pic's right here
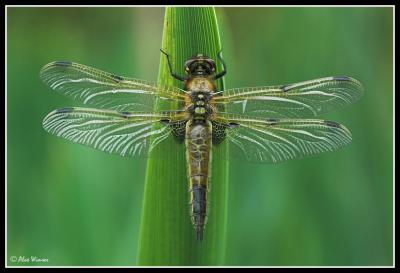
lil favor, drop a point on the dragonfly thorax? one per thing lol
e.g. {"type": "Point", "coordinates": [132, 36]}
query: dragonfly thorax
{"type": "Point", "coordinates": [199, 107]}
{"type": "Point", "coordinates": [200, 84]}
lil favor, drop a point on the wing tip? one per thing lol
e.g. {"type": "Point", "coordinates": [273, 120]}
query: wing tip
{"type": "Point", "coordinates": [55, 112]}
{"type": "Point", "coordinates": [337, 125]}
{"type": "Point", "coordinates": [342, 78]}
{"type": "Point", "coordinates": [349, 79]}
{"type": "Point", "coordinates": [56, 64]}
{"type": "Point", "coordinates": [59, 63]}
{"type": "Point", "coordinates": [62, 63]}
{"type": "Point", "coordinates": [64, 110]}
{"type": "Point", "coordinates": [332, 123]}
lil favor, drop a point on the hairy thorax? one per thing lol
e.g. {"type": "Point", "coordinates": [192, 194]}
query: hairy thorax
{"type": "Point", "coordinates": [203, 84]}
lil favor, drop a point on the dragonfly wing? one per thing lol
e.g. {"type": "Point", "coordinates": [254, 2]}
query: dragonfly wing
{"type": "Point", "coordinates": [277, 140]}
{"type": "Point", "coordinates": [129, 134]}
{"type": "Point", "coordinates": [104, 90]}
{"type": "Point", "coordinates": [304, 99]}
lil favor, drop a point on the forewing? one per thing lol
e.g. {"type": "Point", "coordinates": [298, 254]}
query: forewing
{"type": "Point", "coordinates": [304, 99]}
{"type": "Point", "coordinates": [126, 134]}
{"type": "Point", "coordinates": [104, 90]}
{"type": "Point", "coordinates": [277, 140]}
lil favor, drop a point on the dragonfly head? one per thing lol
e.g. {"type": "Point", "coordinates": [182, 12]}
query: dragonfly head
{"type": "Point", "coordinates": [200, 65]}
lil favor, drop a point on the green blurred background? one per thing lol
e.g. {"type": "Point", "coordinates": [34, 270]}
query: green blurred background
{"type": "Point", "coordinates": [77, 206]}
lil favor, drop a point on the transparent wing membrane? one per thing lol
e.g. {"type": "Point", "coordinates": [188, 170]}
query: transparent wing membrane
{"type": "Point", "coordinates": [261, 124]}
{"type": "Point", "coordinates": [105, 90]}
{"type": "Point", "coordinates": [298, 100]}
{"type": "Point", "coordinates": [128, 134]}
{"type": "Point", "coordinates": [277, 140]}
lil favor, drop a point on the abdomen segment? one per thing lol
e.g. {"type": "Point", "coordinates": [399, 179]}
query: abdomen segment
{"type": "Point", "coordinates": [198, 142]}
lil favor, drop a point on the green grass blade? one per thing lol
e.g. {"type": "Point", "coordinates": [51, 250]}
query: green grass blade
{"type": "Point", "coordinates": [167, 236]}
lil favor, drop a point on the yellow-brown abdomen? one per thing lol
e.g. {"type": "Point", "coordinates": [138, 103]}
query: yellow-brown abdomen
{"type": "Point", "coordinates": [198, 142]}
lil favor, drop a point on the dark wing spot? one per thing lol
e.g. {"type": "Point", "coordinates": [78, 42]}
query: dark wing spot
{"type": "Point", "coordinates": [218, 132]}
{"type": "Point", "coordinates": [65, 110]}
{"type": "Point", "coordinates": [178, 128]}
{"type": "Point", "coordinates": [125, 114]}
{"type": "Point", "coordinates": [342, 78]}
{"type": "Point", "coordinates": [117, 78]}
{"type": "Point", "coordinates": [332, 123]}
{"type": "Point", "coordinates": [165, 122]}
{"type": "Point", "coordinates": [233, 125]}
{"type": "Point", "coordinates": [63, 63]}
{"type": "Point", "coordinates": [272, 120]}
{"type": "Point", "coordinates": [286, 87]}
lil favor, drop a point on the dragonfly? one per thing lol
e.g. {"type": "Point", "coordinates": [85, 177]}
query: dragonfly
{"type": "Point", "coordinates": [267, 124]}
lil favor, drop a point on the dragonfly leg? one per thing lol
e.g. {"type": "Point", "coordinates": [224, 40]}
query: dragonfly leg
{"type": "Point", "coordinates": [173, 74]}
{"type": "Point", "coordinates": [223, 72]}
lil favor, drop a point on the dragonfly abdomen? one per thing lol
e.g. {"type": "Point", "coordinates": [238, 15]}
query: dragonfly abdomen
{"type": "Point", "coordinates": [198, 142]}
{"type": "Point", "coordinates": [198, 204]}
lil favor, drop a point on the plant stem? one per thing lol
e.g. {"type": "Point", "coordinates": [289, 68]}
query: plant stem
{"type": "Point", "coordinates": [167, 236]}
